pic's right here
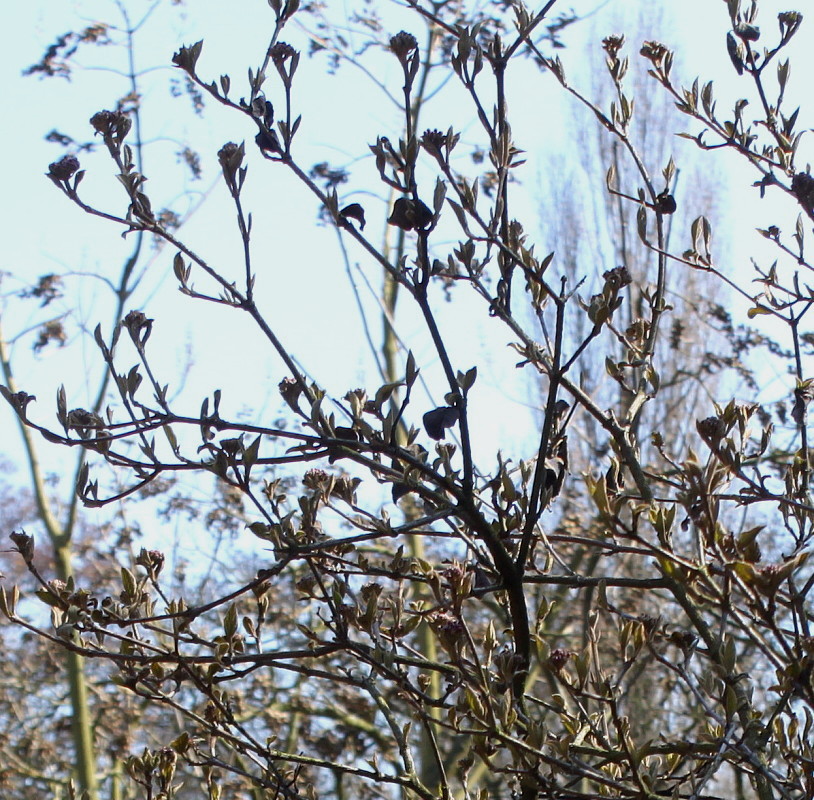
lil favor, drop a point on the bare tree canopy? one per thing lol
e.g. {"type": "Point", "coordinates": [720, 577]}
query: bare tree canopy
{"type": "Point", "coordinates": [614, 603]}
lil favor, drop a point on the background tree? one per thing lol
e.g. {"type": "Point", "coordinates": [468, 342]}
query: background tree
{"type": "Point", "coordinates": [599, 226]}
{"type": "Point", "coordinates": [342, 656]}
{"type": "Point", "coordinates": [52, 730]}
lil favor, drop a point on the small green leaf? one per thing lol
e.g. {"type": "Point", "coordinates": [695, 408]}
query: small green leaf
{"type": "Point", "coordinates": [758, 311]}
{"type": "Point", "coordinates": [230, 621]}
{"type": "Point", "coordinates": [128, 581]}
{"type": "Point", "coordinates": [250, 454]}
{"type": "Point", "coordinates": [641, 223]}
{"type": "Point", "coordinates": [466, 380]}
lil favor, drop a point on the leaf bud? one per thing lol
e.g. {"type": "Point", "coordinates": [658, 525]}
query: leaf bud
{"type": "Point", "coordinates": [747, 32]}
{"type": "Point", "coordinates": [803, 395]}
{"type": "Point", "coordinates": [789, 22]}
{"type": "Point", "coordinates": [290, 390]}
{"type": "Point", "coordinates": [18, 400]}
{"type": "Point", "coordinates": [24, 544]}
{"type": "Point", "coordinates": [230, 157]}
{"type": "Point", "coordinates": [735, 52]}
{"type": "Point", "coordinates": [138, 326]}
{"type": "Point", "coordinates": [187, 57]}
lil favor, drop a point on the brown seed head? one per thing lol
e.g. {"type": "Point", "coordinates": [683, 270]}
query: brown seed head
{"type": "Point", "coordinates": [613, 44]}
{"type": "Point", "coordinates": [230, 157]}
{"type": "Point", "coordinates": [111, 124]}
{"type": "Point", "coordinates": [281, 52]}
{"type": "Point", "coordinates": [402, 45]}
{"type": "Point", "coordinates": [315, 478]}
{"type": "Point", "coordinates": [64, 168]}
{"type": "Point", "coordinates": [559, 658]}
{"type": "Point", "coordinates": [655, 52]}
{"type": "Point", "coordinates": [616, 278]}
{"type": "Point", "coordinates": [711, 429]}
{"type": "Point", "coordinates": [433, 141]}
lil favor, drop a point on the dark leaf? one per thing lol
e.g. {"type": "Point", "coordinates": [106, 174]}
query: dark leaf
{"type": "Point", "coordinates": [735, 52]}
{"type": "Point", "coordinates": [409, 214]}
{"type": "Point", "coordinates": [354, 211]}
{"type": "Point", "coordinates": [665, 203]}
{"type": "Point", "coordinates": [438, 420]}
